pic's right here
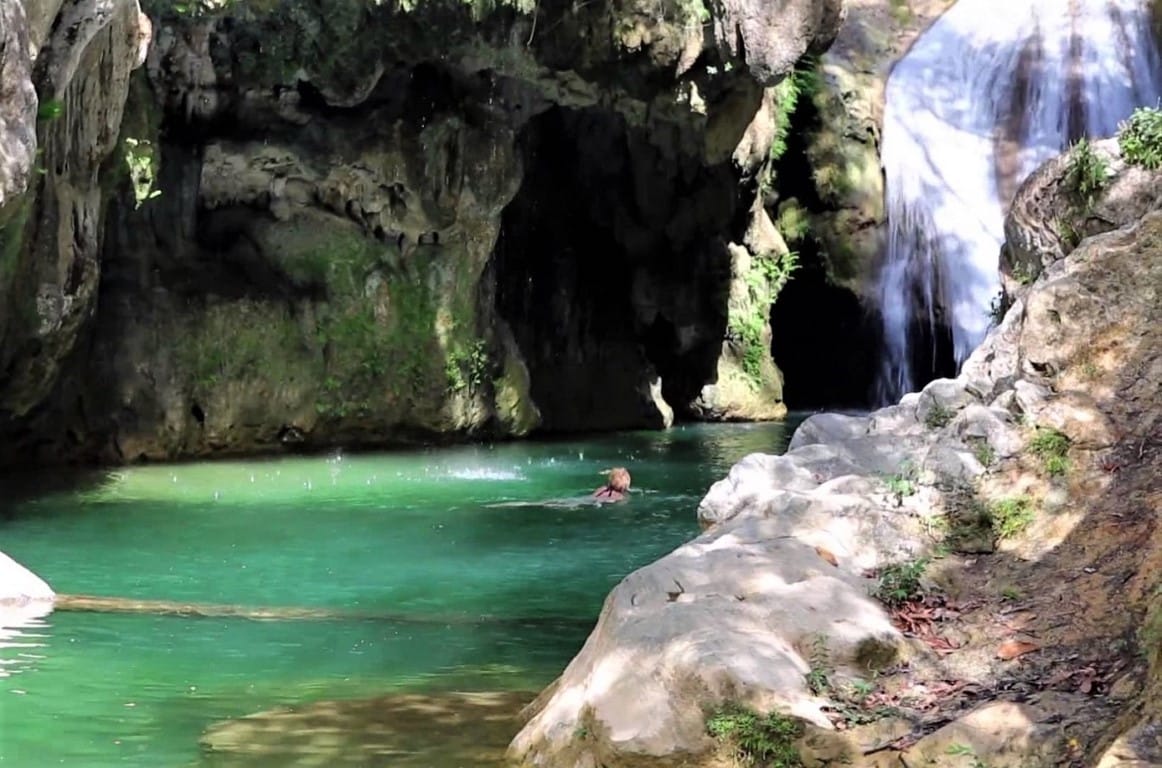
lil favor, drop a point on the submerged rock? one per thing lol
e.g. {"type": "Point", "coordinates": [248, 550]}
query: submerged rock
{"type": "Point", "coordinates": [416, 730]}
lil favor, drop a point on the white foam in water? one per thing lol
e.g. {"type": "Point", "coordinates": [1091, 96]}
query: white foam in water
{"type": "Point", "coordinates": [485, 473]}
{"type": "Point", "coordinates": [984, 72]}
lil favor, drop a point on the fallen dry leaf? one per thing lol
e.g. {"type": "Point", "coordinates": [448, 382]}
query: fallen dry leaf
{"type": "Point", "coordinates": [942, 644]}
{"type": "Point", "coordinates": [827, 555]}
{"type": "Point", "coordinates": [1011, 649]}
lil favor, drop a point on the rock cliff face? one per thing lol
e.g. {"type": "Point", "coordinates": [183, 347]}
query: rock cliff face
{"type": "Point", "coordinates": [303, 223]}
{"type": "Point", "coordinates": [852, 586]}
{"type": "Point", "coordinates": [831, 198]}
{"type": "Point", "coordinates": [54, 186]}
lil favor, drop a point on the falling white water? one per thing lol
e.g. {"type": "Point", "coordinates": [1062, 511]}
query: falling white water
{"type": "Point", "coordinates": [991, 90]}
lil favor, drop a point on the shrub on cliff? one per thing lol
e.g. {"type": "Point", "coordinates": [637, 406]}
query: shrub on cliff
{"type": "Point", "coordinates": [1140, 138]}
{"type": "Point", "coordinates": [1086, 173]}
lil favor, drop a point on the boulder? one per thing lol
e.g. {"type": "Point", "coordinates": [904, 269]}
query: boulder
{"type": "Point", "coordinates": [828, 427]}
{"type": "Point", "coordinates": [730, 617]}
{"type": "Point", "coordinates": [20, 586]}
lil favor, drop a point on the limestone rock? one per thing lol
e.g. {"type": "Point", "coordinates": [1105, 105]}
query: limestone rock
{"type": "Point", "coordinates": [748, 28]}
{"type": "Point", "coordinates": [899, 419]}
{"type": "Point", "coordinates": [19, 586]}
{"type": "Point", "coordinates": [843, 145]}
{"type": "Point", "coordinates": [1002, 734]}
{"type": "Point", "coordinates": [53, 234]}
{"type": "Point", "coordinates": [1045, 223]}
{"type": "Point", "coordinates": [726, 617]}
{"type": "Point", "coordinates": [1077, 416]}
{"type": "Point", "coordinates": [995, 426]}
{"type": "Point", "coordinates": [828, 427]}
{"type": "Point", "coordinates": [323, 165]}
{"type": "Point", "coordinates": [950, 394]}
{"type": "Point", "coordinates": [748, 385]}
{"type": "Point", "coordinates": [18, 106]}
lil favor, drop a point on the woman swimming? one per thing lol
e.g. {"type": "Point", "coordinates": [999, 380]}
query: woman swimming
{"type": "Point", "coordinates": [616, 487]}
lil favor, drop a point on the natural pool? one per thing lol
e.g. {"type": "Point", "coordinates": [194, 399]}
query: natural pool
{"type": "Point", "coordinates": [460, 576]}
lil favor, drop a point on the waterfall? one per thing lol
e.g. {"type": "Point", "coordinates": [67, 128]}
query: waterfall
{"type": "Point", "coordinates": [990, 91]}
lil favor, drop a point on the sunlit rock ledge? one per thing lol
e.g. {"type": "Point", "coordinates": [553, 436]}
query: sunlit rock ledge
{"type": "Point", "coordinates": [20, 587]}
{"type": "Point", "coordinates": [24, 599]}
{"type": "Point", "coordinates": [778, 576]}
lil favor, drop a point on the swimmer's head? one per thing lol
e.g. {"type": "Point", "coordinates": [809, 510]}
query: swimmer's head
{"type": "Point", "coordinates": [619, 479]}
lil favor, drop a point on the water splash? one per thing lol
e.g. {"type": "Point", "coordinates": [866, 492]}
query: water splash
{"type": "Point", "coordinates": [991, 90]}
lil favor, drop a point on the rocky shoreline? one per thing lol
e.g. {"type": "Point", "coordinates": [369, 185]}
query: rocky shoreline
{"type": "Point", "coordinates": [1009, 460]}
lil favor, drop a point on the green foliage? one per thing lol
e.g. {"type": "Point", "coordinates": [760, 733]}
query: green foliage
{"type": "Point", "coordinates": [336, 259]}
{"type": "Point", "coordinates": [984, 453]}
{"type": "Point", "coordinates": [765, 278]}
{"type": "Point", "coordinates": [901, 583]}
{"type": "Point", "coordinates": [1150, 631]}
{"type": "Point", "coordinates": [963, 750]}
{"type": "Point", "coordinates": [693, 13]}
{"type": "Point", "coordinates": [762, 741]}
{"type": "Point", "coordinates": [235, 341]}
{"type": "Point", "coordinates": [937, 417]}
{"type": "Point", "coordinates": [1086, 173]}
{"type": "Point", "coordinates": [1023, 273]}
{"type": "Point", "coordinates": [142, 162]}
{"type": "Point", "coordinates": [12, 241]}
{"type": "Point", "coordinates": [901, 11]}
{"type": "Point", "coordinates": [1067, 233]}
{"type": "Point", "coordinates": [398, 353]}
{"type": "Point", "coordinates": [792, 221]}
{"type": "Point", "coordinates": [467, 368]}
{"type": "Point", "coordinates": [802, 81]}
{"type": "Point", "coordinates": [818, 678]}
{"type": "Point", "coordinates": [1052, 447]}
{"type": "Point", "coordinates": [50, 109]}
{"type": "Point", "coordinates": [903, 483]}
{"type": "Point", "coordinates": [1011, 516]}
{"type": "Point", "coordinates": [1140, 138]}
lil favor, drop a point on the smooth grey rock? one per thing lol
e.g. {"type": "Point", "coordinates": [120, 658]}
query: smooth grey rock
{"type": "Point", "coordinates": [1029, 397]}
{"type": "Point", "coordinates": [733, 615]}
{"type": "Point", "coordinates": [993, 425]}
{"type": "Point", "coordinates": [895, 419]}
{"type": "Point", "coordinates": [828, 427]}
{"type": "Point", "coordinates": [945, 461]}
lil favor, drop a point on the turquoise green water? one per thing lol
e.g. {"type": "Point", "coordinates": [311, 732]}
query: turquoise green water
{"type": "Point", "coordinates": [471, 568]}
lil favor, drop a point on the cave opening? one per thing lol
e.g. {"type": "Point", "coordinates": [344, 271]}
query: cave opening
{"type": "Point", "coordinates": [825, 337]}
{"type": "Point", "coordinates": [607, 274]}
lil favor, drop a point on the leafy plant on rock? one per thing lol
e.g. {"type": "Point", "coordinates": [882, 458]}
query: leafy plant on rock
{"type": "Point", "coordinates": [938, 417]}
{"type": "Point", "coordinates": [901, 583]}
{"type": "Point", "coordinates": [1052, 447]}
{"type": "Point", "coordinates": [762, 741]}
{"type": "Point", "coordinates": [902, 483]}
{"type": "Point", "coordinates": [1140, 138]}
{"type": "Point", "coordinates": [1086, 173]}
{"type": "Point", "coordinates": [767, 275]}
{"type": "Point", "coordinates": [1010, 516]}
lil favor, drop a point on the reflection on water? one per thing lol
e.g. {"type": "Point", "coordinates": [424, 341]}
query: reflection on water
{"type": "Point", "coordinates": [23, 636]}
{"type": "Point", "coordinates": [422, 573]}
